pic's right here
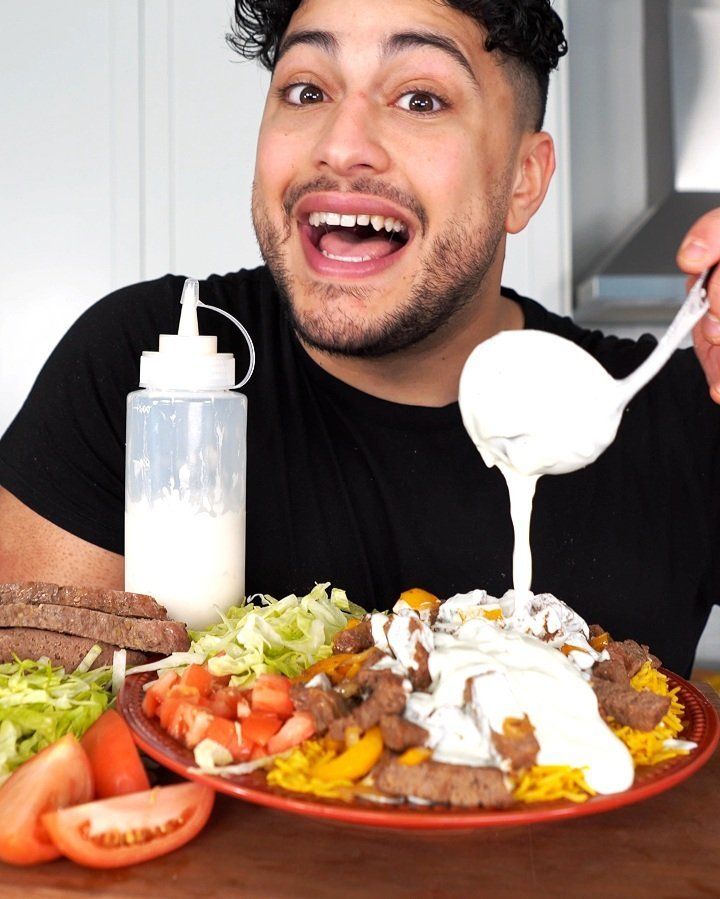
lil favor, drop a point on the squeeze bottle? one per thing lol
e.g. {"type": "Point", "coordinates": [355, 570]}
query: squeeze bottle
{"type": "Point", "coordinates": [185, 473]}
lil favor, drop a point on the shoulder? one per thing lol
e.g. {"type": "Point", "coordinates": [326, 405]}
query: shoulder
{"type": "Point", "coordinates": [155, 304]}
{"type": "Point", "coordinates": [129, 320]}
{"type": "Point", "coordinates": [618, 355]}
{"type": "Point", "coordinates": [679, 390]}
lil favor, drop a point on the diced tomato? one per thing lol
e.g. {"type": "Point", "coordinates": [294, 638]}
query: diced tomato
{"type": "Point", "coordinates": [167, 710]}
{"type": "Point", "coordinates": [130, 829]}
{"type": "Point", "coordinates": [271, 693]}
{"type": "Point", "coordinates": [258, 727]}
{"type": "Point", "coordinates": [258, 752]}
{"type": "Point", "coordinates": [197, 677]}
{"type": "Point", "coordinates": [156, 693]}
{"type": "Point", "coordinates": [189, 694]}
{"type": "Point", "coordinates": [224, 701]}
{"type": "Point", "coordinates": [58, 776]}
{"type": "Point", "coordinates": [229, 734]}
{"type": "Point", "coordinates": [295, 730]}
{"type": "Point", "coordinates": [189, 724]}
{"type": "Point", "coordinates": [115, 761]}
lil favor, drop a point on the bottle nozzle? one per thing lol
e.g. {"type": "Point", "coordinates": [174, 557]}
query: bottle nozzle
{"type": "Point", "coordinates": [189, 300]}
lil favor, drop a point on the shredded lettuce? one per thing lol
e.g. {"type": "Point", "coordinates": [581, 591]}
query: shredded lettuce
{"type": "Point", "coordinates": [282, 636]}
{"type": "Point", "coordinates": [39, 704]}
{"type": "Point", "coordinates": [264, 634]}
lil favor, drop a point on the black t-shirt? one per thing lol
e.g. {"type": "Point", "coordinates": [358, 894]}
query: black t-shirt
{"type": "Point", "coordinates": [378, 497]}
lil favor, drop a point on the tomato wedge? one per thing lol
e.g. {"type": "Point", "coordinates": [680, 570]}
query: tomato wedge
{"type": "Point", "coordinates": [58, 776]}
{"type": "Point", "coordinates": [115, 761]}
{"type": "Point", "coordinates": [127, 830]}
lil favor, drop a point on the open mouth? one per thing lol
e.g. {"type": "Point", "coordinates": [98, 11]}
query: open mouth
{"type": "Point", "coordinates": [356, 238]}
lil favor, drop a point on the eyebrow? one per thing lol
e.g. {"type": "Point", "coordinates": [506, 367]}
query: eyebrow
{"type": "Point", "coordinates": [408, 40]}
{"type": "Point", "coordinates": [323, 40]}
{"type": "Point", "coordinates": [396, 43]}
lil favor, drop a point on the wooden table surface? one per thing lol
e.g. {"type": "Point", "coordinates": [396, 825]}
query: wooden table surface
{"type": "Point", "coordinates": [667, 847]}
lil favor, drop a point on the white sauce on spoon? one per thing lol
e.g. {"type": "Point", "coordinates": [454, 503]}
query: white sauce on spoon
{"type": "Point", "coordinates": [535, 403]}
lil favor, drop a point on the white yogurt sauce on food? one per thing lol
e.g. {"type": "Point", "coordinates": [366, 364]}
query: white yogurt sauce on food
{"type": "Point", "coordinates": [514, 675]}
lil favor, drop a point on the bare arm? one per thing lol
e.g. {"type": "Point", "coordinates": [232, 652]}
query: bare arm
{"type": "Point", "coordinates": [34, 549]}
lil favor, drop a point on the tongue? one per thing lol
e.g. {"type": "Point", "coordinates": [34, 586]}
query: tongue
{"type": "Point", "coordinates": [350, 245]}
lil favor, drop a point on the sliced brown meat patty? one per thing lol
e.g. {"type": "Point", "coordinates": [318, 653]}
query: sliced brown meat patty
{"type": "Point", "coordinates": [115, 602]}
{"type": "Point", "coordinates": [62, 649]}
{"type": "Point", "coordinates": [459, 785]}
{"type": "Point", "coordinates": [145, 634]}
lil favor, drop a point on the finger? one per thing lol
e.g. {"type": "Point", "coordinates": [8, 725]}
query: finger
{"type": "Point", "coordinates": [701, 246]}
{"type": "Point", "coordinates": [710, 328]}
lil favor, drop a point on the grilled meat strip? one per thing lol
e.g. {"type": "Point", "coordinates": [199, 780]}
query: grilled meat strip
{"type": "Point", "coordinates": [387, 698]}
{"type": "Point", "coordinates": [517, 743]}
{"type": "Point", "coordinates": [115, 602]}
{"type": "Point", "coordinates": [626, 658]}
{"type": "Point", "coordinates": [145, 634]}
{"type": "Point", "coordinates": [354, 639]}
{"type": "Point", "coordinates": [460, 785]}
{"type": "Point", "coordinates": [63, 650]}
{"type": "Point", "coordinates": [641, 710]}
{"type": "Point", "coordinates": [325, 706]}
{"type": "Point", "coordinates": [400, 734]}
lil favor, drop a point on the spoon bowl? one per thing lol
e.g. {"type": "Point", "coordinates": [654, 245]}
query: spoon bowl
{"type": "Point", "coordinates": [538, 404]}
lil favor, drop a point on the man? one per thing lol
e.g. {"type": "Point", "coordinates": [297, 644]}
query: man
{"type": "Point", "coordinates": [401, 143]}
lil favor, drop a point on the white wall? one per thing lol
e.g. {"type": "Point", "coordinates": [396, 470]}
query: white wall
{"type": "Point", "coordinates": [128, 149]}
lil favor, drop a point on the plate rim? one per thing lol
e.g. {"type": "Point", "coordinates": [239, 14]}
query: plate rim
{"type": "Point", "coordinates": [423, 817]}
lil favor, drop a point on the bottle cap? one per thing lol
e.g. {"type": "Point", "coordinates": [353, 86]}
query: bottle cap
{"type": "Point", "coordinates": [188, 360]}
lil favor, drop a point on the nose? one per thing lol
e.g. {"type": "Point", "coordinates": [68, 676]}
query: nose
{"type": "Point", "coordinates": [350, 141]}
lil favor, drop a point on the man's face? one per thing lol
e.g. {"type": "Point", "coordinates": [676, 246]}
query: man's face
{"type": "Point", "coordinates": [385, 164]}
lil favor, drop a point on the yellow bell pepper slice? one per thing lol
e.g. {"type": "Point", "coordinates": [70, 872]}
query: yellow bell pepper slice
{"type": "Point", "coordinates": [355, 762]}
{"type": "Point", "coordinates": [419, 599]}
{"type": "Point", "coordinates": [337, 667]}
{"type": "Point", "coordinates": [415, 755]}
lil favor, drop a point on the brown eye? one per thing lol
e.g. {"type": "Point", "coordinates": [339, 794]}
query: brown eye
{"type": "Point", "coordinates": [420, 101]}
{"type": "Point", "coordinates": [304, 94]}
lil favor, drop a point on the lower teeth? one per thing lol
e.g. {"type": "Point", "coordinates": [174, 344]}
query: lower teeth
{"type": "Point", "coordinates": [346, 258]}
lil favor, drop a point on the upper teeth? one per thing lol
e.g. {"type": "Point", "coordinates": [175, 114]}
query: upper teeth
{"type": "Point", "coordinates": [379, 222]}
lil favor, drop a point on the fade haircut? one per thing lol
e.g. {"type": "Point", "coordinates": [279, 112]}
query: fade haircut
{"type": "Point", "coordinates": [526, 35]}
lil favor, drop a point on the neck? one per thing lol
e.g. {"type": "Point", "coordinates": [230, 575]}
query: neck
{"type": "Point", "coordinates": [428, 373]}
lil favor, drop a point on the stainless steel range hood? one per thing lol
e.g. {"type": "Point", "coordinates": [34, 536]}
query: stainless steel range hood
{"type": "Point", "coordinates": [638, 281]}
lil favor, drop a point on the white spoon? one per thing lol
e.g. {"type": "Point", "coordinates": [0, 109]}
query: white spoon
{"type": "Point", "coordinates": [538, 404]}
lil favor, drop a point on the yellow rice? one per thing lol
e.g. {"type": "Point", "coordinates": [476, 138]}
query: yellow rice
{"type": "Point", "coordinates": [294, 772]}
{"type": "Point", "coordinates": [546, 783]}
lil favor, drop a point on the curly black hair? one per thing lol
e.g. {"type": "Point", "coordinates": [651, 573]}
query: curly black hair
{"type": "Point", "coordinates": [527, 34]}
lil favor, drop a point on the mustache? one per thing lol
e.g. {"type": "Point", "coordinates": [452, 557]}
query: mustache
{"type": "Point", "coordinates": [364, 185]}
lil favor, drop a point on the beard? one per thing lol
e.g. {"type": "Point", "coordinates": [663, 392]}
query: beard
{"type": "Point", "coordinates": [450, 275]}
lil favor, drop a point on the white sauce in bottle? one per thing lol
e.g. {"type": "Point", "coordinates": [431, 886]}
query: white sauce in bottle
{"type": "Point", "coordinates": [163, 549]}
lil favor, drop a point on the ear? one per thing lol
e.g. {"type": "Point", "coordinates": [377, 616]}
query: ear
{"type": "Point", "coordinates": [536, 164]}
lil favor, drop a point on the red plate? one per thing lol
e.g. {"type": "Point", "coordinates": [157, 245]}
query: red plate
{"type": "Point", "coordinates": [701, 726]}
